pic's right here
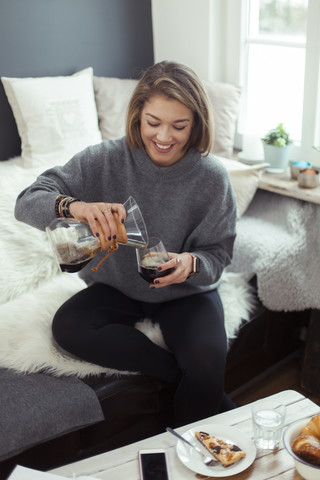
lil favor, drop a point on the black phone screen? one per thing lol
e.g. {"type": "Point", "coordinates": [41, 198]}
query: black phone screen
{"type": "Point", "coordinates": [154, 466]}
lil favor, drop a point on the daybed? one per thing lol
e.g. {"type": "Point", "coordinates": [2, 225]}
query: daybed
{"type": "Point", "coordinates": [54, 408]}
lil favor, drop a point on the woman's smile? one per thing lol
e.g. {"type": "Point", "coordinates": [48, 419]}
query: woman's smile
{"type": "Point", "coordinates": [165, 129]}
{"type": "Point", "coordinates": [163, 148]}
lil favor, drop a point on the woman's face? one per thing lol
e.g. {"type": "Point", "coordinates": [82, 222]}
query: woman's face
{"type": "Point", "coordinates": [165, 129]}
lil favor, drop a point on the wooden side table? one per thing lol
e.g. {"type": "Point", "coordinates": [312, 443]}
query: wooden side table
{"type": "Point", "coordinates": [283, 184]}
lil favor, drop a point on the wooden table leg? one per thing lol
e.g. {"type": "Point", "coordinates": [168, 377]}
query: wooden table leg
{"type": "Point", "coordinates": [310, 375]}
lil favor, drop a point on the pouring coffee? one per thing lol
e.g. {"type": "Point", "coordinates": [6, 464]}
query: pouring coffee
{"type": "Point", "coordinates": [75, 245]}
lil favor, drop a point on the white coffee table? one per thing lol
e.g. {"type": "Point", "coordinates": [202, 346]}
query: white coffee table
{"type": "Point", "coordinates": [122, 463]}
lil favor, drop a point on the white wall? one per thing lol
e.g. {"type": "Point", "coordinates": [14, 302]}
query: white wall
{"type": "Point", "coordinates": [191, 32]}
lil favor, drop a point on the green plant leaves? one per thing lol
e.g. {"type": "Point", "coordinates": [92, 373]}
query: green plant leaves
{"type": "Point", "coordinates": [278, 137]}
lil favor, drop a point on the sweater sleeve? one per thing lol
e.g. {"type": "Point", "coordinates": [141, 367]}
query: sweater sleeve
{"type": "Point", "coordinates": [35, 205]}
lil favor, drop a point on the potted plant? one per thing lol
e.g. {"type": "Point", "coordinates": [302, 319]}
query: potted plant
{"type": "Point", "coordinates": [277, 145]}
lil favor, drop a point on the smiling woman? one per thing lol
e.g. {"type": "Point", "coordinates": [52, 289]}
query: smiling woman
{"type": "Point", "coordinates": [178, 87]}
{"type": "Point", "coordinates": [168, 125]}
{"type": "Point", "coordinates": [165, 129]}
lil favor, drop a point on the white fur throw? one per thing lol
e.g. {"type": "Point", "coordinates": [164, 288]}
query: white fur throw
{"type": "Point", "coordinates": [32, 288]}
{"type": "Point", "coordinates": [26, 343]}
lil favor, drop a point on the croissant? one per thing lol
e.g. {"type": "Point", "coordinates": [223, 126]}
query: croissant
{"type": "Point", "coordinates": [307, 447]}
{"type": "Point", "coordinates": [312, 427]}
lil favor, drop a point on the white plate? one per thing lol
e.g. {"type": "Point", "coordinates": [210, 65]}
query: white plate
{"type": "Point", "coordinates": [191, 459]}
{"type": "Point", "coordinates": [249, 161]}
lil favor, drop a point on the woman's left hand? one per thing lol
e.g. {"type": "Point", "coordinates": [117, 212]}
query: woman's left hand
{"type": "Point", "coordinates": [182, 264]}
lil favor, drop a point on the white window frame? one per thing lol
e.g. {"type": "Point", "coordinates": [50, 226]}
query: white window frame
{"type": "Point", "coordinates": [236, 13]}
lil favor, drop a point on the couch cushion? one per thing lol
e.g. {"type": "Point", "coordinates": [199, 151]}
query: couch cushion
{"type": "Point", "coordinates": [56, 116]}
{"type": "Point", "coordinates": [225, 100]}
{"type": "Point", "coordinates": [38, 407]}
{"type": "Point", "coordinates": [245, 180]}
{"type": "Point", "coordinates": [112, 97]}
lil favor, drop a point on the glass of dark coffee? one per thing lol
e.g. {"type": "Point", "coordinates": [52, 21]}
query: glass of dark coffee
{"type": "Point", "coordinates": [150, 257]}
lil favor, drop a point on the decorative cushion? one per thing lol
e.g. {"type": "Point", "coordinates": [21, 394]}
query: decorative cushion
{"type": "Point", "coordinates": [56, 116]}
{"type": "Point", "coordinates": [225, 99]}
{"type": "Point", "coordinates": [245, 181]}
{"type": "Point", "coordinates": [112, 96]}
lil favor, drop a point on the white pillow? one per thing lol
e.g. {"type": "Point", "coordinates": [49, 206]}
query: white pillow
{"type": "Point", "coordinates": [245, 181]}
{"type": "Point", "coordinates": [113, 94]}
{"type": "Point", "coordinates": [225, 100]}
{"type": "Point", "coordinates": [56, 116]}
{"type": "Point", "coordinates": [112, 97]}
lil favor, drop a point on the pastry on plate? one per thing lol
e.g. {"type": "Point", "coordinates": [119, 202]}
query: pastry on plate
{"type": "Point", "coordinates": [226, 453]}
{"type": "Point", "coordinates": [307, 445]}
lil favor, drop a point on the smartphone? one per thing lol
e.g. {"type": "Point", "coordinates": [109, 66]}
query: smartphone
{"type": "Point", "coordinates": [153, 464]}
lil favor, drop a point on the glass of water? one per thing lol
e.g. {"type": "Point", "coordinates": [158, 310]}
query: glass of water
{"type": "Point", "coordinates": [268, 420]}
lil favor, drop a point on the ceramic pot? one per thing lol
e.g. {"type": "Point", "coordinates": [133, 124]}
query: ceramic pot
{"type": "Point", "coordinates": [277, 157]}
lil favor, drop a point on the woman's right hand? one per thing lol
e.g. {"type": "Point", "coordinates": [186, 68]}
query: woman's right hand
{"type": "Point", "coordinates": [101, 212]}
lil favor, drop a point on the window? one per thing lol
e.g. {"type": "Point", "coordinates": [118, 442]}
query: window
{"type": "Point", "coordinates": [278, 47]}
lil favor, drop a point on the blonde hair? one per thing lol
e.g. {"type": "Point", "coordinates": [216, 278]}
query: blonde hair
{"type": "Point", "coordinates": [177, 82]}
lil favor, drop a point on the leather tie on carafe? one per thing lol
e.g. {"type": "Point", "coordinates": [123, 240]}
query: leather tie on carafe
{"type": "Point", "coordinates": [112, 245]}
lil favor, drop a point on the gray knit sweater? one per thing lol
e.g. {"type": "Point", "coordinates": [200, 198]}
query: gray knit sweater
{"type": "Point", "coordinates": [189, 205]}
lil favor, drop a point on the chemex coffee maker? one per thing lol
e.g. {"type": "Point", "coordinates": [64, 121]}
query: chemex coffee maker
{"type": "Point", "coordinates": [75, 245]}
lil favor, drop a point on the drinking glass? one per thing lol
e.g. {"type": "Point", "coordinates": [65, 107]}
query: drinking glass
{"type": "Point", "coordinates": [268, 420]}
{"type": "Point", "coordinates": [150, 257]}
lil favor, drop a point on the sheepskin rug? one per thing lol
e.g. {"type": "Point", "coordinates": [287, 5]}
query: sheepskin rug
{"type": "Point", "coordinates": [32, 288]}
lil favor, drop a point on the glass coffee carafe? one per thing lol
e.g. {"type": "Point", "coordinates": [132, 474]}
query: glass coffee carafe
{"type": "Point", "coordinates": [75, 245]}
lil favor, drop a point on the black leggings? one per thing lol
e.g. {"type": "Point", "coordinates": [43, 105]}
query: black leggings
{"type": "Point", "coordinates": [97, 323]}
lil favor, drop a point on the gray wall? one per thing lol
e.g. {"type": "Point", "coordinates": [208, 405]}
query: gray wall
{"type": "Point", "coordinates": [60, 37]}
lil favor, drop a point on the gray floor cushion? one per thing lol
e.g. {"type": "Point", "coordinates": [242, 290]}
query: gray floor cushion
{"type": "Point", "coordinates": [39, 407]}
